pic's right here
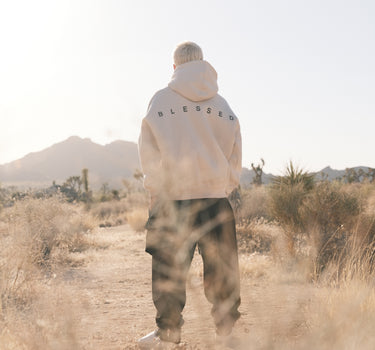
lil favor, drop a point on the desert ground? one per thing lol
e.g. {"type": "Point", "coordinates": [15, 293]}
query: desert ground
{"type": "Point", "coordinates": [112, 291]}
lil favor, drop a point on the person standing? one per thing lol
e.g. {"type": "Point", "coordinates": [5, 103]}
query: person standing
{"type": "Point", "coordinates": [191, 158]}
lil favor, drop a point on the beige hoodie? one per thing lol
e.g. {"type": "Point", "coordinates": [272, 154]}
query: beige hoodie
{"type": "Point", "coordinates": [190, 142]}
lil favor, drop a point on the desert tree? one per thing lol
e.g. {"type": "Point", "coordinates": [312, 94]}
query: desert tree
{"type": "Point", "coordinates": [351, 176]}
{"type": "Point", "coordinates": [87, 194]}
{"type": "Point", "coordinates": [72, 188]}
{"type": "Point", "coordinates": [85, 179]}
{"type": "Point", "coordinates": [258, 171]}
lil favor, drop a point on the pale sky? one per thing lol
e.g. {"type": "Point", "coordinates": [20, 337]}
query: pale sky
{"type": "Point", "coordinates": [298, 74]}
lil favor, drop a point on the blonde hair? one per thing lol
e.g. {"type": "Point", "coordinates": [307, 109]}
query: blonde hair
{"type": "Point", "coordinates": [186, 52]}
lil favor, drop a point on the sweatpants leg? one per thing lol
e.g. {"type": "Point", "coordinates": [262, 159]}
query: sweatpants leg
{"type": "Point", "coordinates": [169, 289]}
{"type": "Point", "coordinates": [218, 247]}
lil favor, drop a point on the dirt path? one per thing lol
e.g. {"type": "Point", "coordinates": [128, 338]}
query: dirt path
{"type": "Point", "coordinates": [113, 291]}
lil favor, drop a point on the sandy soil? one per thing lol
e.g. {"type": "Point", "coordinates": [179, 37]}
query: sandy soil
{"type": "Point", "coordinates": [113, 306]}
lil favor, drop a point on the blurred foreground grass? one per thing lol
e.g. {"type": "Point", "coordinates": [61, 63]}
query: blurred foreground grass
{"type": "Point", "coordinates": [317, 240]}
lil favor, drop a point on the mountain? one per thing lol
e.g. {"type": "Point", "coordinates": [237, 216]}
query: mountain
{"type": "Point", "coordinates": [110, 163]}
{"type": "Point", "coordinates": [326, 173]}
{"type": "Point", "coordinates": [106, 164]}
{"type": "Point", "coordinates": [330, 174]}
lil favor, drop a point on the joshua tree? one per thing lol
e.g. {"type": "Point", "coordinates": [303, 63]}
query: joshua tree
{"type": "Point", "coordinates": [87, 195]}
{"type": "Point", "coordinates": [85, 179]}
{"type": "Point", "coordinates": [258, 170]}
{"type": "Point", "coordinates": [351, 175]}
{"type": "Point", "coordinates": [104, 192]}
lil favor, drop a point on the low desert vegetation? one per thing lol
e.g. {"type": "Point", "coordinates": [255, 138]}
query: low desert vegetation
{"type": "Point", "coordinates": [37, 238]}
{"type": "Point", "coordinates": [316, 237]}
{"type": "Point", "coordinates": [320, 234]}
{"type": "Point", "coordinates": [321, 221]}
{"type": "Point", "coordinates": [42, 234]}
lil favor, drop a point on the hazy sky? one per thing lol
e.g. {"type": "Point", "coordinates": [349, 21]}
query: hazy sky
{"type": "Point", "coordinates": [299, 74]}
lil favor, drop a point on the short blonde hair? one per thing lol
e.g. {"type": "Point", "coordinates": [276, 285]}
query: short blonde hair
{"type": "Point", "coordinates": [186, 52]}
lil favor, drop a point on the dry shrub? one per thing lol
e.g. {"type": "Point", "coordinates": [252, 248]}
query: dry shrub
{"type": "Point", "coordinates": [285, 203]}
{"type": "Point", "coordinates": [37, 236]}
{"type": "Point", "coordinates": [370, 207]}
{"type": "Point", "coordinates": [114, 213]}
{"type": "Point", "coordinates": [328, 216]}
{"type": "Point", "coordinates": [255, 265]}
{"type": "Point", "coordinates": [46, 321]}
{"type": "Point", "coordinates": [111, 213]}
{"type": "Point", "coordinates": [253, 204]}
{"type": "Point", "coordinates": [337, 237]}
{"type": "Point", "coordinates": [137, 219]}
{"type": "Point", "coordinates": [257, 236]}
{"type": "Point", "coordinates": [38, 228]}
{"type": "Point", "coordinates": [364, 230]}
{"type": "Point", "coordinates": [330, 206]}
{"type": "Point", "coordinates": [342, 318]}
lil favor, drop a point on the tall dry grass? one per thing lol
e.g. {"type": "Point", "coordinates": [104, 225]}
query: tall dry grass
{"type": "Point", "coordinates": [328, 220]}
{"type": "Point", "coordinates": [130, 210]}
{"type": "Point", "coordinates": [37, 237]}
{"type": "Point", "coordinates": [314, 293]}
{"type": "Point", "coordinates": [318, 266]}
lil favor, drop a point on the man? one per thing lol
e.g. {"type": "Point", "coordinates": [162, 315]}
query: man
{"type": "Point", "coordinates": [190, 151]}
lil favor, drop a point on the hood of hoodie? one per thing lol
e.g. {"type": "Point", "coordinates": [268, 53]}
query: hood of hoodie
{"type": "Point", "coordinates": [195, 80]}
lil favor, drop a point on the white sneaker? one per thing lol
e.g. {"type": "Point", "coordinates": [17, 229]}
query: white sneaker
{"type": "Point", "coordinates": [152, 341]}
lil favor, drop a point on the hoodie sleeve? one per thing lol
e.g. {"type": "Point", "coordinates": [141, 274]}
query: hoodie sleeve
{"type": "Point", "coordinates": [150, 158]}
{"type": "Point", "coordinates": [235, 162]}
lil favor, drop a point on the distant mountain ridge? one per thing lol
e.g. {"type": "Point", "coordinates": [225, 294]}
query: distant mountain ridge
{"type": "Point", "coordinates": [110, 164]}
{"type": "Point", "coordinates": [326, 173]}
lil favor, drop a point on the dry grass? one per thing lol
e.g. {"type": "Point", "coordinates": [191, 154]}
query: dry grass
{"type": "Point", "coordinates": [254, 205]}
{"type": "Point", "coordinates": [286, 305]}
{"type": "Point", "coordinates": [302, 305]}
{"type": "Point", "coordinates": [258, 236]}
{"type": "Point", "coordinates": [45, 319]}
{"type": "Point", "coordinates": [37, 237]}
{"type": "Point", "coordinates": [116, 212]}
{"type": "Point", "coordinates": [137, 219]}
{"type": "Point", "coordinates": [111, 213]}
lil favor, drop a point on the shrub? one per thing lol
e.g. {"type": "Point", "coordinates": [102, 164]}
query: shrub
{"type": "Point", "coordinates": [253, 205]}
{"type": "Point", "coordinates": [285, 203]}
{"type": "Point", "coordinates": [257, 236]}
{"type": "Point", "coordinates": [328, 215]}
{"type": "Point", "coordinates": [36, 236]}
{"type": "Point", "coordinates": [37, 227]}
{"type": "Point", "coordinates": [287, 194]}
{"type": "Point", "coordinates": [295, 176]}
{"type": "Point", "coordinates": [137, 219]}
{"type": "Point", "coordinates": [111, 213]}
{"type": "Point", "coordinates": [286, 197]}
